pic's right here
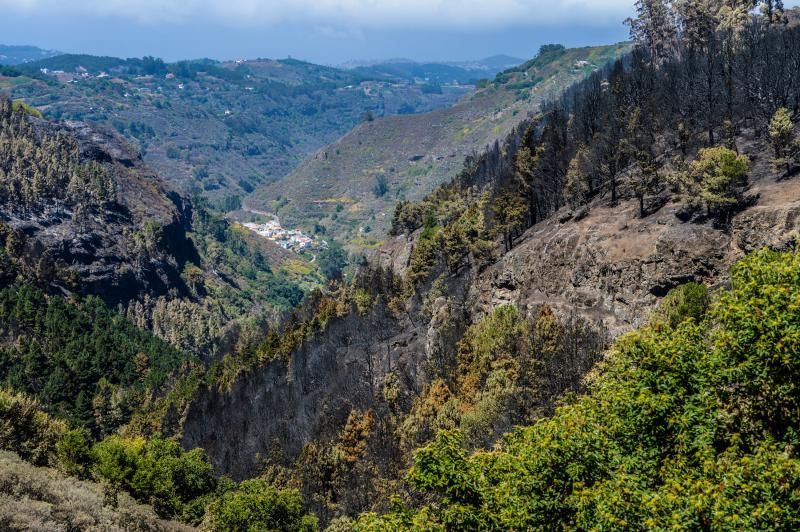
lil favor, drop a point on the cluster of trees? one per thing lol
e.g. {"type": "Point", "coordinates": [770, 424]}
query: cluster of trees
{"type": "Point", "coordinates": [81, 360]}
{"type": "Point", "coordinates": [689, 425]}
{"type": "Point", "coordinates": [231, 287]}
{"type": "Point", "coordinates": [178, 484]}
{"type": "Point", "coordinates": [703, 72]}
{"type": "Point", "coordinates": [45, 170]}
{"type": "Point", "coordinates": [507, 370]}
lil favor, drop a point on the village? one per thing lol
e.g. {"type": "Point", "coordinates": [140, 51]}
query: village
{"type": "Point", "coordinates": [291, 239]}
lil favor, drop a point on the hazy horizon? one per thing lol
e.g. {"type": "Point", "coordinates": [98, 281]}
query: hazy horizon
{"type": "Point", "coordinates": [332, 33]}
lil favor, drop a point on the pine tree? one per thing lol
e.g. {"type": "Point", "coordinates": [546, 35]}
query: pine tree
{"type": "Point", "coordinates": [509, 212]}
{"type": "Point", "coordinates": [784, 141]}
{"type": "Point", "coordinates": [577, 187]}
{"type": "Point", "coordinates": [716, 178]}
{"type": "Point", "coordinates": [655, 28]}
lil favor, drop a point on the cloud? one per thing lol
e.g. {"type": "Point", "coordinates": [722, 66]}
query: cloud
{"type": "Point", "coordinates": [367, 14]}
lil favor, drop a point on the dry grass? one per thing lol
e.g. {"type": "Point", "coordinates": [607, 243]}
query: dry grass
{"type": "Point", "coordinates": [39, 498]}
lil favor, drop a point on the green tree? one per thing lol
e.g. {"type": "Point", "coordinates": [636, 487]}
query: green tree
{"type": "Point", "coordinates": [784, 141]}
{"type": "Point", "coordinates": [332, 260]}
{"type": "Point", "coordinates": [717, 178]}
{"type": "Point", "coordinates": [381, 186]}
{"type": "Point", "coordinates": [258, 506]}
{"type": "Point", "coordinates": [75, 453]}
{"type": "Point", "coordinates": [577, 187]}
{"type": "Point", "coordinates": [509, 212]}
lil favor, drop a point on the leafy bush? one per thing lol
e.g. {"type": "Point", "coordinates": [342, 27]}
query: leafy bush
{"type": "Point", "coordinates": [690, 300]}
{"type": "Point", "coordinates": [155, 471]}
{"type": "Point", "coordinates": [256, 505]}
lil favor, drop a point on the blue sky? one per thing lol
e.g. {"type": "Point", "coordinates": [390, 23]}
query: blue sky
{"type": "Point", "coordinates": [322, 31]}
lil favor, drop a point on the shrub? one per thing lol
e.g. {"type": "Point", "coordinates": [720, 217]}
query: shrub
{"type": "Point", "coordinates": [690, 300]}
{"type": "Point", "coordinates": [256, 505]}
{"type": "Point", "coordinates": [26, 430]}
{"type": "Point", "coordinates": [155, 471]}
{"type": "Point", "coordinates": [36, 498]}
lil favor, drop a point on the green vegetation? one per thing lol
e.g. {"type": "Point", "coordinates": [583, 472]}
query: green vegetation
{"type": "Point", "coordinates": [178, 484]}
{"type": "Point", "coordinates": [206, 124]}
{"type": "Point", "coordinates": [38, 170]}
{"type": "Point", "coordinates": [20, 106]}
{"type": "Point", "coordinates": [84, 361]}
{"type": "Point", "coordinates": [231, 280]}
{"type": "Point", "coordinates": [256, 505]}
{"type": "Point", "coordinates": [690, 425]}
{"type": "Point", "coordinates": [38, 498]}
{"type": "Point", "coordinates": [332, 260]}
{"type": "Point", "coordinates": [784, 140]}
{"type": "Point", "coordinates": [716, 178]}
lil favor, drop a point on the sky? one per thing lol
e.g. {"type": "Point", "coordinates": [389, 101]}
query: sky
{"type": "Point", "coordinates": [322, 31]}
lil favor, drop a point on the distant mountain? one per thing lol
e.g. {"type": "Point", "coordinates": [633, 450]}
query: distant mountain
{"type": "Point", "coordinates": [439, 73]}
{"type": "Point", "coordinates": [17, 55]}
{"type": "Point", "coordinates": [495, 63]}
{"type": "Point", "coordinates": [443, 72]}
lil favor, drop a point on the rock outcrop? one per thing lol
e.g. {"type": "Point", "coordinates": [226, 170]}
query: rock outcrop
{"type": "Point", "coordinates": [103, 248]}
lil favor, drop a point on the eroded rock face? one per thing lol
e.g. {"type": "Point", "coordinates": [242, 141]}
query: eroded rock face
{"type": "Point", "coordinates": [614, 266]}
{"type": "Point", "coordinates": [340, 370]}
{"type": "Point", "coordinates": [101, 248]}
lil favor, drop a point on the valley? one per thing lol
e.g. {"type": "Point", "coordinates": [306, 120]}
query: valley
{"type": "Point", "coordinates": [347, 189]}
{"type": "Point", "coordinates": [553, 294]}
{"type": "Point", "coordinates": [222, 128]}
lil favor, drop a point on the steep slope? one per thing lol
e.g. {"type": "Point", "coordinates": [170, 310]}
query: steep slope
{"type": "Point", "coordinates": [218, 127]}
{"type": "Point", "coordinates": [611, 267]}
{"type": "Point", "coordinates": [114, 229]}
{"type": "Point", "coordinates": [499, 296]}
{"type": "Point", "coordinates": [338, 187]}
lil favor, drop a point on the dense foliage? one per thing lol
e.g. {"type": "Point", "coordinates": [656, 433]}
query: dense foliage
{"type": "Point", "coordinates": [82, 360]}
{"type": "Point", "coordinates": [691, 424]}
{"type": "Point", "coordinates": [176, 483]}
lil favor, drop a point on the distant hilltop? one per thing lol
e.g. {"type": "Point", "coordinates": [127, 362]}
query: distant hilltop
{"type": "Point", "coordinates": [18, 55]}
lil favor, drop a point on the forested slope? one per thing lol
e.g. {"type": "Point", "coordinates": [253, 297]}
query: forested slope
{"type": "Point", "coordinates": [497, 296]}
{"type": "Point", "coordinates": [481, 372]}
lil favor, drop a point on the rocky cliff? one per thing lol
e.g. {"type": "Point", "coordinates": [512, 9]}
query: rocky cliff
{"type": "Point", "coordinates": [134, 245]}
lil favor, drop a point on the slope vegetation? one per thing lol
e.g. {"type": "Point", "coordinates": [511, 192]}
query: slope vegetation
{"type": "Point", "coordinates": [500, 293]}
